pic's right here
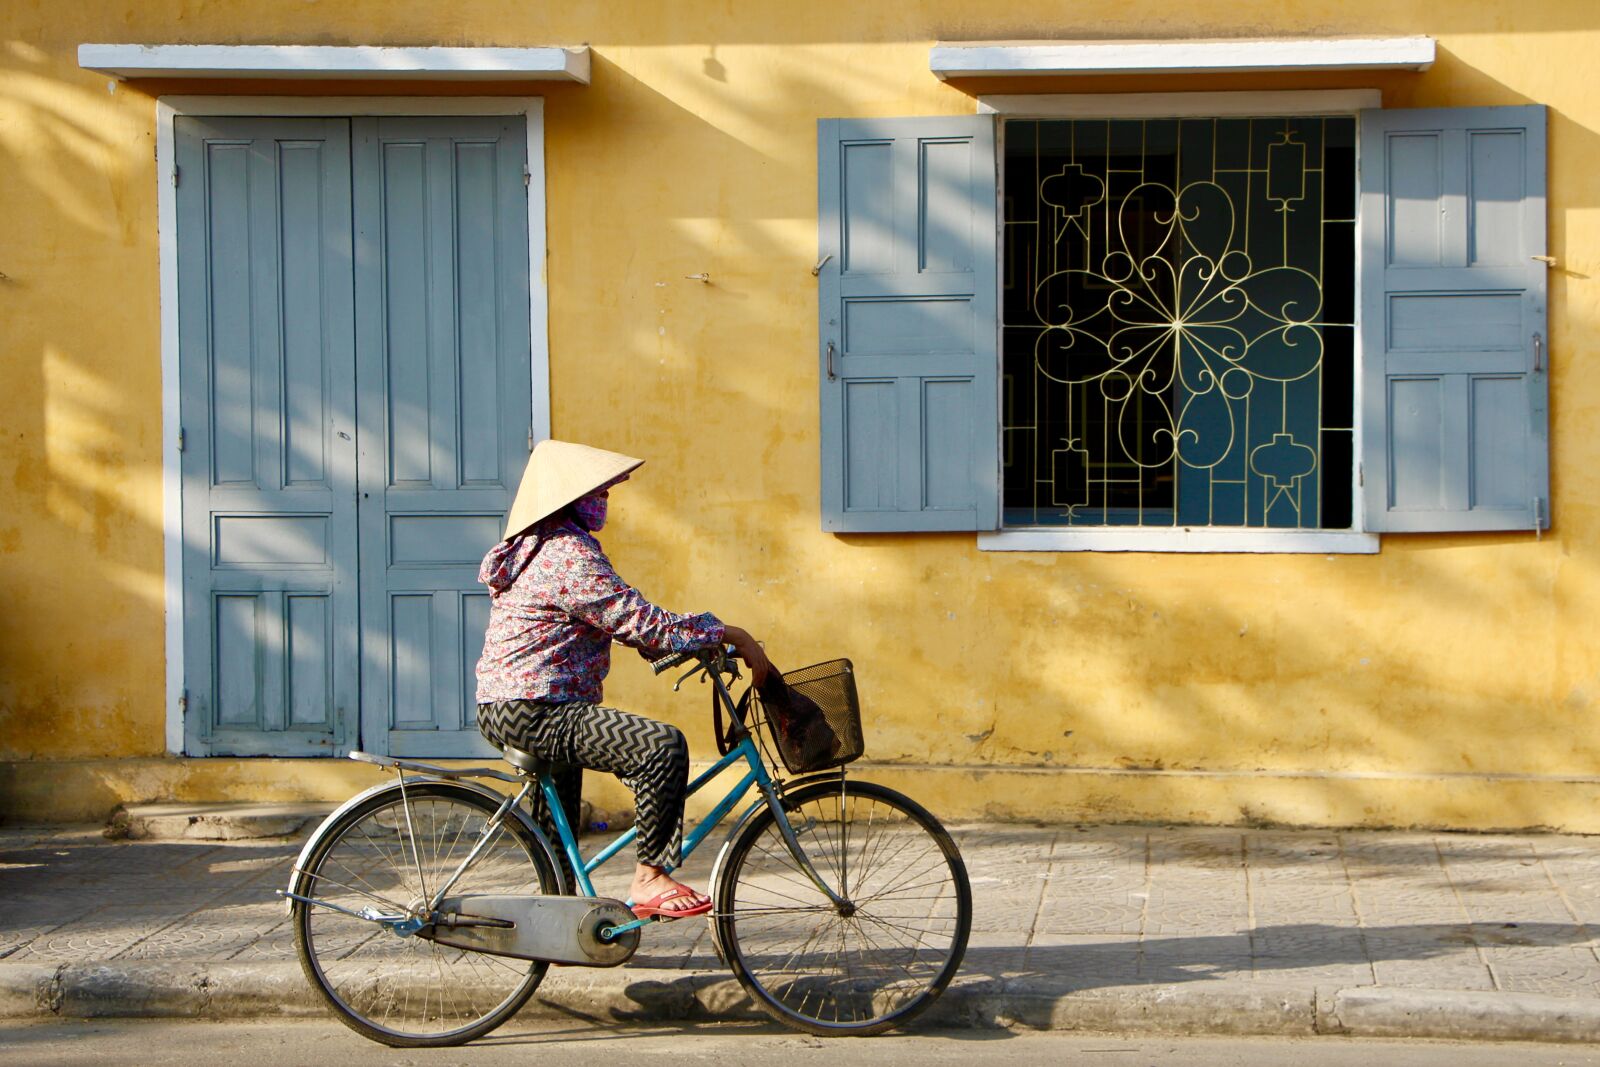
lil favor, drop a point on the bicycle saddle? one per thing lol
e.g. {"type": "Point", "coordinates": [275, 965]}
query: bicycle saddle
{"type": "Point", "coordinates": [526, 762]}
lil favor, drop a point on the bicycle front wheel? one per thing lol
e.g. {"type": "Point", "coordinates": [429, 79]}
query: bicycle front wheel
{"type": "Point", "coordinates": [386, 856]}
{"type": "Point", "coordinates": [860, 969]}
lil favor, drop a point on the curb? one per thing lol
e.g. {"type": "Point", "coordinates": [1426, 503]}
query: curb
{"type": "Point", "coordinates": [1465, 1014]}
{"type": "Point", "coordinates": [278, 989]}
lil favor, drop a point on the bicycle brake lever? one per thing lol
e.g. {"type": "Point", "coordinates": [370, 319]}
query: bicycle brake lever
{"type": "Point", "coordinates": [690, 673]}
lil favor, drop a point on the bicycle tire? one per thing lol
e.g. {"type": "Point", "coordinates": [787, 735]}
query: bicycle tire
{"type": "Point", "coordinates": [887, 850]}
{"type": "Point", "coordinates": [371, 967]}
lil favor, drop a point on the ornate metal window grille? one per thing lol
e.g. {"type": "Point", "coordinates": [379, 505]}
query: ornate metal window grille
{"type": "Point", "coordinates": [1177, 322]}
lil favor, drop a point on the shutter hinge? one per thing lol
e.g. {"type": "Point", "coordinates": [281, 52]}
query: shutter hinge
{"type": "Point", "coordinates": [527, 176]}
{"type": "Point", "coordinates": [177, 175]}
{"type": "Point", "coordinates": [183, 703]}
{"type": "Point", "coordinates": [1361, 474]}
{"type": "Point", "coordinates": [1538, 518]}
{"type": "Point", "coordinates": [530, 438]}
{"type": "Point", "coordinates": [183, 439]}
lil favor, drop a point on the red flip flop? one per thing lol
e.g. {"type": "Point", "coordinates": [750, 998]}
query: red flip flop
{"type": "Point", "coordinates": [652, 908]}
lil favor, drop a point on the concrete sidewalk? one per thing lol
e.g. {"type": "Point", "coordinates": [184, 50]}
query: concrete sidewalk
{"type": "Point", "coordinates": [1104, 928]}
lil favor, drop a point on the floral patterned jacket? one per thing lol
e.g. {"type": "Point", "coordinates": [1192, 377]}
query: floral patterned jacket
{"type": "Point", "coordinates": [556, 604]}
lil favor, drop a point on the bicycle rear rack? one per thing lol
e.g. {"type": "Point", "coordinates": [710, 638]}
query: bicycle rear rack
{"type": "Point", "coordinates": [434, 769]}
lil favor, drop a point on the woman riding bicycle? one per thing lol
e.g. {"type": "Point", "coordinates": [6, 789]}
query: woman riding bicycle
{"type": "Point", "coordinates": [556, 604]}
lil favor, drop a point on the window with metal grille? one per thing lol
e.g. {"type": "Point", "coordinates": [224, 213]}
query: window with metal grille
{"type": "Point", "coordinates": [1177, 322]}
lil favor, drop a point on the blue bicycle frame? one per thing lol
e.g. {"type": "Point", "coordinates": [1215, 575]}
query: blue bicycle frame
{"type": "Point", "coordinates": [755, 775]}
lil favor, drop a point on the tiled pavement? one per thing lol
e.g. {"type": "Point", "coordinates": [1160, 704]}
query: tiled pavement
{"type": "Point", "coordinates": [1059, 908]}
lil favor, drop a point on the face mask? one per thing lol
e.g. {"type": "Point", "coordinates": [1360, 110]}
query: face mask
{"type": "Point", "coordinates": [591, 512]}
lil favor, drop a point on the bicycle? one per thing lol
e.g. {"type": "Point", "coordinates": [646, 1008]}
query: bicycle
{"type": "Point", "coordinates": [427, 910]}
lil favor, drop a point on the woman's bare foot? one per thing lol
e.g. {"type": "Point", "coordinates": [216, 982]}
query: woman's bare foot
{"type": "Point", "coordinates": [650, 882]}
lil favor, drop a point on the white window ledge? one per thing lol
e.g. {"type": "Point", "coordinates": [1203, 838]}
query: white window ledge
{"type": "Point", "coordinates": [328, 61]}
{"type": "Point", "coordinates": [1182, 539]}
{"type": "Point", "coordinates": [974, 59]}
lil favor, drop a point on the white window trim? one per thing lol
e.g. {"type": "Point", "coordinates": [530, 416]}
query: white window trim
{"type": "Point", "coordinates": [361, 62]}
{"type": "Point", "coordinates": [1178, 539]}
{"type": "Point", "coordinates": [1355, 541]}
{"type": "Point", "coordinates": [978, 59]}
{"type": "Point", "coordinates": [1180, 105]}
{"type": "Point", "coordinates": [167, 109]}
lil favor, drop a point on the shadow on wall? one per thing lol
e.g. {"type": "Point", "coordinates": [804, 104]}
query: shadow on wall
{"type": "Point", "coordinates": [1401, 662]}
{"type": "Point", "coordinates": [79, 466]}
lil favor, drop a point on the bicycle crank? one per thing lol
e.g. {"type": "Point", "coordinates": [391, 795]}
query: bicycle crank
{"type": "Point", "coordinates": [557, 929]}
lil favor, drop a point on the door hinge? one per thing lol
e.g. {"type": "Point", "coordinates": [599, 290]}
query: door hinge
{"type": "Point", "coordinates": [530, 439]}
{"type": "Point", "coordinates": [1538, 518]}
{"type": "Point", "coordinates": [183, 440]}
{"type": "Point", "coordinates": [177, 175]}
{"type": "Point", "coordinates": [183, 703]}
{"type": "Point", "coordinates": [527, 176]}
{"type": "Point", "coordinates": [1361, 474]}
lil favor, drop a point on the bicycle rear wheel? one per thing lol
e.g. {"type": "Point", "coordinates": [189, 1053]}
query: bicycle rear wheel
{"type": "Point", "coordinates": [865, 968]}
{"type": "Point", "coordinates": [388, 856]}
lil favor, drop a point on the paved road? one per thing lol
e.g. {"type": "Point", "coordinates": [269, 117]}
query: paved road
{"type": "Point", "coordinates": [187, 1044]}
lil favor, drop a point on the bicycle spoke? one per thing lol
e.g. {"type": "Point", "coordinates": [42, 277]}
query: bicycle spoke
{"type": "Point", "coordinates": [400, 909]}
{"type": "Point", "coordinates": [859, 968]}
{"type": "Point", "coordinates": [413, 987]}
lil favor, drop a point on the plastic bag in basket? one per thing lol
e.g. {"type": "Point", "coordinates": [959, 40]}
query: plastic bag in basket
{"type": "Point", "coordinates": [813, 716]}
{"type": "Point", "coordinates": [804, 739]}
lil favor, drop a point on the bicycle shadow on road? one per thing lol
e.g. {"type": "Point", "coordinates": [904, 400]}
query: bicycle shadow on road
{"type": "Point", "coordinates": [1314, 951]}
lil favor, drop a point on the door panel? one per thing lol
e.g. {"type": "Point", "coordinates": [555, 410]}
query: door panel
{"type": "Point", "coordinates": [267, 401]}
{"type": "Point", "coordinates": [443, 365]}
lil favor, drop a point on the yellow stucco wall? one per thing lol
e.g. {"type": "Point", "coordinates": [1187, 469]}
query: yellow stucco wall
{"type": "Point", "coordinates": [1448, 680]}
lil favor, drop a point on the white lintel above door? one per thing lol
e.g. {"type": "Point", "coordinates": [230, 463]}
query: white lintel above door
{"type": "Point", "coordinates": [356, 62]}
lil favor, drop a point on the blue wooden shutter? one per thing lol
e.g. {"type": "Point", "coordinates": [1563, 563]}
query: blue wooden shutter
{"type": "Point", "coordinates": [907, 345]}
{"type": "Point", "coordinates": [1454, 340]}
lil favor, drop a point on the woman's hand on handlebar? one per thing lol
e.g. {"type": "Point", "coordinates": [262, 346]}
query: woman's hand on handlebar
{"type": "Point", "coordinates": [747, 649]}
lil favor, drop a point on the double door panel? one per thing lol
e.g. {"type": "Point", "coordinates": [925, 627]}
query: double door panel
{"type": "Point", "coordinates": [354, 352]}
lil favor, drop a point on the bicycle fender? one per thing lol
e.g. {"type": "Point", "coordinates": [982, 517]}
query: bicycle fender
{"type": "Point", "coordinates": [297, 879]}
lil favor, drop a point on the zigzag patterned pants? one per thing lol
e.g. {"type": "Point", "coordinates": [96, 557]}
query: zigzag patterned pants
{"type": "Point", "coordinates": [651, 758]}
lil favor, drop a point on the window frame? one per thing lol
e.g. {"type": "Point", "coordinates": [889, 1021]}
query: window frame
{"type": "Point", "coordinates": [1234, 539]}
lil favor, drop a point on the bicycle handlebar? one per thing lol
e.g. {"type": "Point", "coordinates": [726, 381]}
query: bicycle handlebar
{"type": "Point", "coordinates": [713, 657]}
{"type": "Point", "coordinates": [666, 663]}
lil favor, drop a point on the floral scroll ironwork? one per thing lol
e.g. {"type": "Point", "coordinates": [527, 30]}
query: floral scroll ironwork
{"type": "Point", "coordinates": [1165, 364]}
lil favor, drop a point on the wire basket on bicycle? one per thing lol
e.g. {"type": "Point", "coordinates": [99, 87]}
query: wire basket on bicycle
{"type": "Point", "coordinates": [814, 716]}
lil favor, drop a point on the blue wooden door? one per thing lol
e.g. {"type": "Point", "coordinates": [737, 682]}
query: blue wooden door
{"type": "Point", "coordinates": [355, 397]}
{"type": "Point", "coordinates": [443, 366]}
{"type": "Point", "coordinates": [266, 342]}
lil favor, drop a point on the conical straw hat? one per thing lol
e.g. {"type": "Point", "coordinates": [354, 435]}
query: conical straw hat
{"type": "Point", "coordinates": [558, 473]}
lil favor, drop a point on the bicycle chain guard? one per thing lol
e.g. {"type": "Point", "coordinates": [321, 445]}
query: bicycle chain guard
{"type": "Point", "coordinates": [557, 929]}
